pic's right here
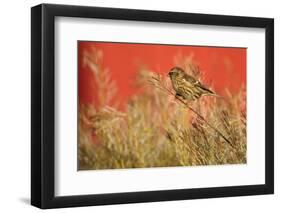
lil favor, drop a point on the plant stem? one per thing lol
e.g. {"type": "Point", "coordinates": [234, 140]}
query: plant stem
{"type": "Point", "coordinates": [164, 88]}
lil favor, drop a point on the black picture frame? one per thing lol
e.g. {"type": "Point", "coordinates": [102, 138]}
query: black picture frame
{"type": "Point", "coordinates": [43, 102]}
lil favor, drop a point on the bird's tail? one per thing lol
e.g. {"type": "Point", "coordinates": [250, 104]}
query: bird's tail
{"type": "Point", "coordinates": [205, 90]}
{"type": "Point", "coordinates": [208, 92]}
{"type": "Point", "coordinates": [213, 94]}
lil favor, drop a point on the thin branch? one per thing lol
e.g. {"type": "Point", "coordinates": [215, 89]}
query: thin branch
{"type": "Point", "coordinates": [156, 81]}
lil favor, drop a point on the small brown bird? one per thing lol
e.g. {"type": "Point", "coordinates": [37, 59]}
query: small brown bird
{"type": "Point", "coordinates": [186, 86]}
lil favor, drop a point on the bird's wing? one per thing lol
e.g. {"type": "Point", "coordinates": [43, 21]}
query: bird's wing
{"type": "Point", "coordinates": [189, 78]}
{"type": "Point", "coordinates": [188, 82]}
{"type": "Point", "coordinates": [197, 83]}
{"type": "Point", "coordinates": [204, 88]}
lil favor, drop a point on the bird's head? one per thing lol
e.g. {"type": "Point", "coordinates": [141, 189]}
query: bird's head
{"type": "Point", "coordinates": [176, 72]}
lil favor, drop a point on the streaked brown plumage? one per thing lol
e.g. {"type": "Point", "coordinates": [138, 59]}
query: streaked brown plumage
{"type": "Point", "coordinates": [187, 86]}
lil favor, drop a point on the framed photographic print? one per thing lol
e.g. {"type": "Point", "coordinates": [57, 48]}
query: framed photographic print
{"type": "Point", "coordinates": [139, 106]}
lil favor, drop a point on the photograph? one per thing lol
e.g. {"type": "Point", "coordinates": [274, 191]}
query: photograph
{"type": "Point", "coordinates": [151, 105]}
{"type": "Point", "coordinates": [141, 105]}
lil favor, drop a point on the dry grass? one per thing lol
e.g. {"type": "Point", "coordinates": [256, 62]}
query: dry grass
{"type": "Point", "coordinates": [155, 129]}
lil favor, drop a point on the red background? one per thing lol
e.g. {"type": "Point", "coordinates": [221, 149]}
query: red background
{"type": "Point", "coordinates": [224, 67]}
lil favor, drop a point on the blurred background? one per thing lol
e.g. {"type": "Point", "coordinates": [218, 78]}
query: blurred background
{"type": "Point", "coordinates": [222, 68]}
